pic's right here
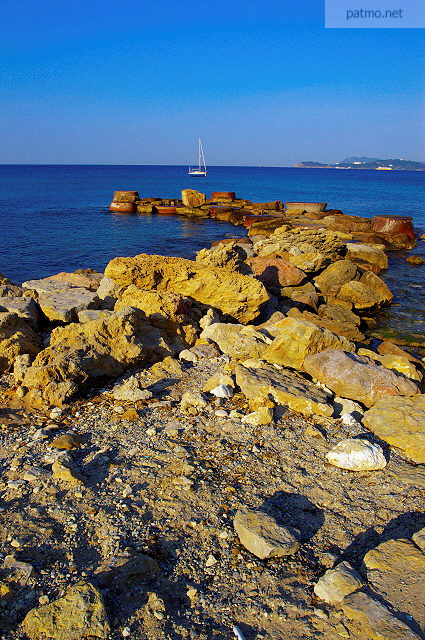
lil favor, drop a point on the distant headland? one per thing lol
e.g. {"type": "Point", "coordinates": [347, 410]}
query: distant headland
{"type": "Point", "coordinates": [366, 163]}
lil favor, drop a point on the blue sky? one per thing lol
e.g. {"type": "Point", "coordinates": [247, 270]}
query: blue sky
{"type": "Point", "coordinates": [263, 83]}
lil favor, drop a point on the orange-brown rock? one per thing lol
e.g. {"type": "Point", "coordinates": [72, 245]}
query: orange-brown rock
{"type": "Point", "coordinates": [268, 206]}
{"type": "Point", "coordinates": [126, 196]}
{"type": "Point", "coordinates": [220, 196]}
{"type": "Point", "coordinates": [275, 272]}
{"type": "Point", "coordinates": [238, 295]}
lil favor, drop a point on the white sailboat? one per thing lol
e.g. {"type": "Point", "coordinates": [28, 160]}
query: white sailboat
{"type": "Point", "coordinates": [201, 170]}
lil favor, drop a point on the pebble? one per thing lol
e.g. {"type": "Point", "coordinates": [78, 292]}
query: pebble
{"type": "Point", "coordinates": [211, 561]}
{"type": "Point", "coordinates": [221, 413]}
{"type": "Point", "coordinates": [43, 600]}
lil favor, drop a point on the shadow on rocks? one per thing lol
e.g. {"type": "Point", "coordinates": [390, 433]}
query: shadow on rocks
{"type": "Point", "coordinates": [295, 510]}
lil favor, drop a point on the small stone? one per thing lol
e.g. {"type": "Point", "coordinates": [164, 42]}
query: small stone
{"type": "Point", "coordinates": [357, 455]}
{"type": "Point", "coordinates": [64, 470]}
{"type": "Point", "coordinates": [43, 600]}
{"type": "Point", "coordinates": [261, 417]}
{"type": "Point", "coordinates": [221, 413]}
{"type": "Point", "coordinates": [56, 412]}
{"type": "Point", "coordinates": [17, 544]}
{"type": "Point", "coordinates": [126, 632]}
{"type": "Point", "coordinates": [260, 534]}
{"type": "Point", "coordinates": [68, 441]}
{"type": "Point", "coordinates": [349, 420]}
{"type": "Point", "coordinates": [188, 356]}
{"type": "Point", "coordinates": [192, 400]}
{"type": "Point", "coordinates": [222, 391]}
{"type": "Point", "coordinates": [211, 561]}
{"type": "Point", "coordinates": [337, 583]}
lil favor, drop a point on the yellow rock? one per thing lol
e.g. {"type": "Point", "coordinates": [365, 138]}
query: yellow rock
{"type": "Point", "coordinates": [396, 571]}
{"type": "Point", "coordinates": [296, 339]}
{"type": "Point", "coordinates": [65, 472]}
{"type": "Point", "coordinates": [394, 362]}
{"type": "Point", "coordinates": [238, 295]}
{"type": "Point", "coordinates": [79, 614]}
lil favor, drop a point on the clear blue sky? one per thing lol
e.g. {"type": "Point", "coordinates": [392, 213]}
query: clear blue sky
{"type": "Point", "coordinates": [263, 83]}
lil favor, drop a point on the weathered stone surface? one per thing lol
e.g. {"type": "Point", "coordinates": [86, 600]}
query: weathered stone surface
{"type": "Point", "coordinates": [168, 311]}
{"type": "Point", "coordinates": [260, 417]}
{"type": "Point", "coordinates": [93, 314]}
{"type": "Point", "coordinates": [86, 278]}
{"type": "Point", "coordinates": [337, 583]}
{"type": "Point", "coordinates": [108, 293]}
{"type": "Point", "coordinates": [126, 196]}
{"type": "Point", "coordinates": [335, 276]}
{"type": "Point", "coordinates": [64, 471]}
{"type": "Point", "coordinates": [367, 257]}
{"type": "Point", "coordinates": [375, 621]}
{"type": "Point", "coordinates": [68, 441]}
{"type": "Point", "coordinates": [225, 256]}
{"type": "Point", "coordinates": [260, 534]}
{"type": "Point", "coordinates": [357, 455]}
{"type": "Point", "coordinates": [7, 288]}
{"type": "Point", "coordinates": [104, 347]}
{"type": "Point", "coordinates": [396, 571]}
{"type": "Point", "coordinates": [25, 307]}
{"type": "Point", "coordinates": [368, 293]}
{"type": "Point", "coordinates": [192, 198]}
{"type": "Point", "coordinates": [236, 340]}
{"type": "Point", "coordinates": [131, 391]}
{"type": "Point", "coordinates": [389, 348]}
{"type": "Point", "coordinates": [419, 539]}
{"type": "Point", "coordinates": [16, 338]}
{"type": "Point", "coordinates": [310, 262]}
{"type": "Point", "coordinates": [285, 387]}
{"type": "Point", "coordinates": [400, 422]}
{"type": "Point", "coordinates": [79, 614]}
{"type": "Point", "coordinates": [296, 339]}
{"type": "Point", "coordinates": [346, 330]}
{"type": "Point", "coordinates": [394, 362]}
{"type": "Point", "coordinates": [305, 240]}
{"type": "Point", "coordinates": [351, 376]}
{"type": "Point", "coordinates": [60, 301]}
{"type": "Point", "coordinates": [238, 295]}
{"type": "Point", "coordinates": [275, 272]}
{"type": "Point", "coordinates": [20, 366]}
{"type": "Point", "coordinates": [276, 205]}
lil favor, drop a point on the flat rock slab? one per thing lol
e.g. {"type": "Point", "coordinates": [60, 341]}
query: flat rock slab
{"type": "Point", "coordinates": [286, 387]}
{"type": "Point", "coordinates": [400, 422]}
{"type": "Point", "coordinates": [337, 583]}
{"type": "Point", "coordinates": [25, 307]}
{"type": "Point", "coordinates": [260, 534]}
{"type": "Point", "coordinates": [375, 621]}
{"type": "Point", "coordinates": [357, 378]}
{"type": "Point", "coordinates": [396, 571]}
{"type": "Point", "coordinates": [79, 614]}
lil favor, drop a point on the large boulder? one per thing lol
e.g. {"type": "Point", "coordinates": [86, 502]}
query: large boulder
{"type": "Point", "coordinates": [16, 338]}
{"type": "Point", "coordinates": [330, 281]}
{"type": "Point", "coordinates": [168, 311]}
{"type": "Point", "coordinates": [7, 288]}
{"type": "Point", "coordinates": [192, 198]}
{"type": "Point", "coordinates": [79, 614]}
{"type": "Point", "coordinates": [86, 278]}
{"type": "Point", "coordinates": [347, 330]}
{"type": "Point", "coordinates": [93, 350]}
{"type": "Point", "coordinates": [296, 339]}
{"type": "Point", "coordinates": [368, 257]}
{"type": "Point", "coordinates": [237, 295]}
{"type": "Point", "coordinates": [351, 376]}
{"type": "Point", "coordinates": [302, 239]}
{"type": "Point", "coordinates": [400, 422]}
{"type": "Point", "coordinates": [285, 387]}
{"type": "Point", "coordinates": [395, 362]}
{"type": "Point", "coordinates": [367, 293]}
{"type": "Point", "coordinates": [396, 571]}
{"type": "Point", "coordinates": [275, 272]}
{"type": "Point", "coordinates": [236, 340]}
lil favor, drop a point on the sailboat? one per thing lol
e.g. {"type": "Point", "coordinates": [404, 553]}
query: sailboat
{"type": "Point", "coordinates": [201, 170]}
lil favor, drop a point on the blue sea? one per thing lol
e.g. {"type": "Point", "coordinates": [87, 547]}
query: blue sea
{"type": "Point", "coordinates": [56, 217]}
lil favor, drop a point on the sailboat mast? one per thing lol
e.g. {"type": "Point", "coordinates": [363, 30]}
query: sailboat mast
{"type": "Point", "coordinates": [199, 153]}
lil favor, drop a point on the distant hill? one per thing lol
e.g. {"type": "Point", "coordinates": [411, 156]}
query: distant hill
{"type": "Point", "coordinates": [366, 163]}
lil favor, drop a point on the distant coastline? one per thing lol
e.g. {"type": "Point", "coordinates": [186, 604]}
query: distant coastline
{"type": "Point", "coordinates": [398, 164]}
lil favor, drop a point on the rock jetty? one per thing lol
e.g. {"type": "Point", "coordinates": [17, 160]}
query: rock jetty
{"type": "Point", "coordinates": [195, 446]}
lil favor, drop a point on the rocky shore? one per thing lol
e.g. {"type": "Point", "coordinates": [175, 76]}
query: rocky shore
{"type": "Point", "coordinates": [190, 445]}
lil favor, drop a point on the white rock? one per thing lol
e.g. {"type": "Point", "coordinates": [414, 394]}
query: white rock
{"type": "Point", "coordinates": [357, 455]}
{"type": "Point", "coordinates": [349, 420]}
{"type": "Point", "coordinates": [222, 391]}
{"type": "Point", "coordinates": [188, 356]}
{"type": "Point", "coordinates": [337, 583]}
{"type": "Point", "coordinates": [221, 413]}
{"type": "Point", "coordinates": [211, 561]}
{"type": "Point", "coordinates": [56, 412]}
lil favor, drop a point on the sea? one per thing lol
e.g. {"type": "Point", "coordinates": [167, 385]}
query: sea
{"type": "Point", "coordinates": [56, 217]}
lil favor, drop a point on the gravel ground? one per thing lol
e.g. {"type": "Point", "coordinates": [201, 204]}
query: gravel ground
{"type": "Point", "coordinates": [165, 483]}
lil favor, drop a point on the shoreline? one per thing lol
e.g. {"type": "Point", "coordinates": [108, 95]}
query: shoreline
{"type": "Point", "coordinates": [172, 440]}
